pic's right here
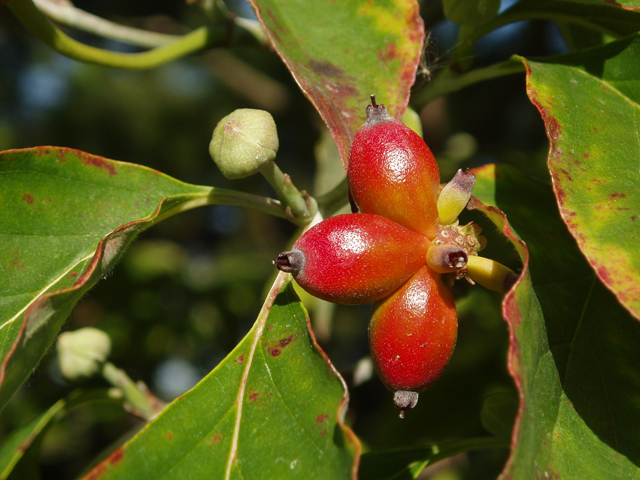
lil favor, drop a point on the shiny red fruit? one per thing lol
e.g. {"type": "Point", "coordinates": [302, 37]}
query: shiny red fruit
{"type": "Point", "coordinates": [413, 332]}
{"type": "Point", "coordinates": [393, 173]}
{"type": "Point", "coordinates": [354, 259]}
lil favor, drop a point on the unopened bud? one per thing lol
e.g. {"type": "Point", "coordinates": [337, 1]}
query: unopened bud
{"type": "Point", "coordinates": [244, 142]}
{"type": "Point", "coordinates": [82, 353]}
{"type": "Point", "coordinates": [454, 197]}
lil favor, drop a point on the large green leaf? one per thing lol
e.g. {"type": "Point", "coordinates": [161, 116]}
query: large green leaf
{"type": "Point", "coordinates": [594, 14]}
{"type": "Point", "coordinates": [65, 219]}
{"type": "Point", "coordinates": [272, 409]}
{"type": "Point", "coordinates": [21, 440]}
{"type": "Point", "coordinates": [574, 353]}
{"type": "Point", "coordinates": [342, 52]}
{"type": "Point", "coordinates": [408, 463]}
{"type": "Point", "coordinates": [591, 107]}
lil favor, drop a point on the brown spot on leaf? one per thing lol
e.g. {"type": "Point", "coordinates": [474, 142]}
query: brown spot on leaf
{"type": "Point", "coordinates": [617, 195]}
{"type": "Point", "coordinates": [215, 439]}
{"type": "Point", "coordinates": [326, 69]}
{"type": "Point", "coordinates": [240, 359]}
{"type": "Point", "coordinates": [98, 162]}
{"type": "Point", "coordinates": [566, 174]}
{"type": "Point", "coordinates": [322, 417]}
{"type": "Point", "coordinates": [595, 129]}
{"type": "Point", "coordinates": [254, 396]}
{"type": "Point", "coordinates": [286, 341]}
{"type": "Point", "coordinates": [323, 432]}
{"type": "Point", "coordinates": [633, 218]}
{"type": "Point", "coordinates": [169, 436]}
{"type": "Point", "coordinates": [27, 197]}
{"type": "Point", "coordinates": [586, 155]}
{"type": "Point", "coordinates": [276, 349]}
{"type": "Point", "coordinates": [15, 261]}
{"type": "Point", "coordinates": [603, 273]}
{"type": "Point", "coordinates": [389, 53]}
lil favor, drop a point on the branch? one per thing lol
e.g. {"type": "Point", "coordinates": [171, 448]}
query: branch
{"type": "Point", "coordinates": [74, 17]}
{"type": "Point", "coordinates": [449, 81]}
{"type": "Point", "coordinates": [32, 18]}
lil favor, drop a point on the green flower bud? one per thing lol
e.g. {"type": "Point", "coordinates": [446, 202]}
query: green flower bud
{"type": "Point", "coordinates": [244, 142]}
{"type": "Point", "coordinates": [454, 197]}
{"type": "Point", "coordinates": [82, 353]}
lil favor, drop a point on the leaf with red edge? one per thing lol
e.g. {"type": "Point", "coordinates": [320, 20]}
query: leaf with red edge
{"type": "Point", "coordinates": [574, 351]}
{"type": "Point", "coordinates": [65, 218]}
{"type": "Point", "coordinates": [338, 68]}
{"type": "Point", "coordinates": [626, 4]}
{"type": "Point", "coordinates": [274, 408]}
{"type": "Point", "coordinates": [591, 107]}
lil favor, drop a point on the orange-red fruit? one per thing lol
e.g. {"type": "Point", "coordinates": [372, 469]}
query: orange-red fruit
{"type": "Point", "coordinates": [393, 173]}
{"type": "Point", "coordinates": [413, 332]}
{"type": "Point", "coordinates": [355, 258]}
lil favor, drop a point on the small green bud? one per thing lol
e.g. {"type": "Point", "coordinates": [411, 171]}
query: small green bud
{"type": "Point", "coordinates": [454, 197]}
{"type": "Point", "coordinates": [244, 142]}
{"type": "Point", "coordinates": [82, 353]}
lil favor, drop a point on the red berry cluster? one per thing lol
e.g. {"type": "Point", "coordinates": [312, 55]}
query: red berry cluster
{"type": "Point", "coordinates": [394, 253]}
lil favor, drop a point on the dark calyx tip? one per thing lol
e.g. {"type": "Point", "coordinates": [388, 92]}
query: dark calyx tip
{"type": "Point", "coordinates": [405, 400]}
{"type": "Point", "coordinates": [290, 262]}
{"type": "Point", "coordinates": [377, 113]}
{"type": "Point", "coordinates": [463, 181]}
{"type": "Point", "coordinates": [457, 259]}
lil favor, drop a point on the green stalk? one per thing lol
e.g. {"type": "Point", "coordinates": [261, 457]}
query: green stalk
{"type": "Point", "coordinates": [300, 208]}
{"type": "Point", "coordinates": [221, 196]}
{"type": "Point", "coordinates": [32, 18]}
{"type": "Point", "coordinates": [141, 400]}
{"type": "Point", "coordinates": [449, 81]}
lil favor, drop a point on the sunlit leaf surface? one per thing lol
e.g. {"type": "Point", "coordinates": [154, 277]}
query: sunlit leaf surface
{"type": "Point", "coordinates": [342, 52]}
{"type": "Point", "coordinates": [272, 409]}
{"type": "Point", "coordinates": [65, 218]}
{"type": "Point", "coordinates": [591, 107]}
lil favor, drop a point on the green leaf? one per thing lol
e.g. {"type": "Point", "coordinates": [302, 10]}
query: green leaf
{"type": "Point", "coordinates": [15, 446]}
{"type": "Point", "coordinates": [590, 103]}
{"type": "Point", "coordinates": [498, 414]}
{"type": "Point", "coordinates": [594, 14]}
{"type": "Point", "coordinates": [626, 4]}
{"type": "Point", "coordinates": [274, 408]}
{"type": "Point", "coordinates": [574, 353]}
{"type": "Point", "coordinates": [407, 463]}
{"type": "Point", "coordinates": [470, 12]}
{"type": "Point", "coordinates": [65, 219]}
{"type": "Point", "coordinates": [342, 52]}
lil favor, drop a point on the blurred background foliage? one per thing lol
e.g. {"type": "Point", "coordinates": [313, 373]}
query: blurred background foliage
{"type": "Point", "coordinates": [190, 288]}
